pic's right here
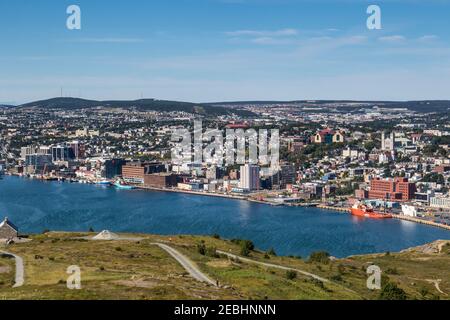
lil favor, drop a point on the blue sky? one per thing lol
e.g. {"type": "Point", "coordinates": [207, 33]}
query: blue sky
{"type": "Point", "coordinates": [217, 50]}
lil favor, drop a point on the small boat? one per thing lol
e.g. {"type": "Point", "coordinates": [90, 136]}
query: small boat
{"type": "Point", "coordinates": [365, 211]}
{"type": "Point", "coordinates": [103, 182]}
{"type": "Point", "coordinates": [121, 185]}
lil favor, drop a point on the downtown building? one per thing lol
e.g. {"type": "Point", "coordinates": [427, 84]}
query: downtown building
{"type": "Point", "coordinates": [397, 189]}
{"type": "Point", "coordinates": [249, 177]}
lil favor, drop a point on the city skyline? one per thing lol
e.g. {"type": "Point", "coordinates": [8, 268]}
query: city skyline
{"type": "Point", "coordinates": [225, 51]}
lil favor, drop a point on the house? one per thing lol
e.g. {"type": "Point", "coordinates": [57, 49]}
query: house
{"type": "Point", "coordinates": [8, 230]}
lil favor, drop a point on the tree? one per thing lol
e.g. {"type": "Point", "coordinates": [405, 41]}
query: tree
{"type": "Point", "coordinates": [246, 246]}
{"type": "Point", "coordinates": [245, 251]}
{"type": "Point", "coordinates": [391, 291]}
{"type": "Point", "coordinates": [320, 257]}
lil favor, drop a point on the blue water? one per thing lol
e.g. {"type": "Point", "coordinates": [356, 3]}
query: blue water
{"type": "Point", "coordinates": [35, 206]}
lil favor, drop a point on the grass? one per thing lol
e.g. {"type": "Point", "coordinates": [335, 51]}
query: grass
{"type": "Point", "coordinates": [139, 270]}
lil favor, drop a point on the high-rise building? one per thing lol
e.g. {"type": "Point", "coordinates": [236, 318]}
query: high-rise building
{"type": "Point", "coordinates": [249, 177]}
{"type": "Point", "coordinates": [78, 149]}
{"type": "Point", "coordinates": [288, 175]}
{"type": "Point", "coordinates": [25, 151]}
{"type": "Point", "coordinates": [214, 173]}
{"type": "Point", "coordinates": [38, 160]}
{"type": "Point", "coordinates": [113, 168]}
{"type": "Point", "coordinates": [62, 153]}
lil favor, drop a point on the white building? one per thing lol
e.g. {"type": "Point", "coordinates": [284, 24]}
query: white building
{"type": "Point", "coordinates": [437, 202]}
{"type": "Point", "coordinates": [249, 177]}
{"type": "Point", "coordinates": [409, 211]}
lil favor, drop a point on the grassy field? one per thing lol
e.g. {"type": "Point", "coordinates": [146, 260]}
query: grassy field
{"type": "Point", "coordinates": [137, 269]}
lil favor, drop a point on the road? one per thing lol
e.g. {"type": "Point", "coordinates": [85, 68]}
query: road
{"type": "Point", "coordinates": [187, 264]}
{"type": "Point", "coordinates": [20, 278]}
{"type": "Point", "coordinates": [270, 265]}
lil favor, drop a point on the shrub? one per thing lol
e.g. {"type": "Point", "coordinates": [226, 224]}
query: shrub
{"type": "Point", "coordinates": [118, 249]}
{"type": "Point", "coordinates": [211, 252]}
{"type": "Point", "coordinates": [245, 251]}
{"type": "Point", "coordinates": [246, 246]}
{"type": "Point", "coordinates": [318, 283]}
{"type": "Point", "coordinates": [341, 269]}
{"type": "Point", "coordinates": [272, 252]}
{"type": "Point", "coordinates": [393, 271]}
{"type": "Point", "coordinates": [216, 236]}
{"type": "Point", "coordinates": [320, 257]}
{"type": "Point", "coordinates": [249, 244]}
{"type": "Point", "coordinates": [391, 291]}
{"type": "Point", "coordinates": [336, 277]}
{"type": "Point", "coordinates": [201, 248]}
{"type": "Point", "coordinates": [291, 274]}
{"type": "Point", "coordinates": [424, 292]}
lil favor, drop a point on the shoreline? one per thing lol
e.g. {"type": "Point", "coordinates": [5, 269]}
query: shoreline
{"type": "Point", "coordinates": [244, 198]}
{"type": "Point", "coordinates": [394, 216]}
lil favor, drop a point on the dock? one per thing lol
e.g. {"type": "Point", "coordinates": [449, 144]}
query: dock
{"type": "Point", "coordinates": [394, 216]}
{"type": "Point", "coordinates": [422, 221]}
{"type": "Point", "coordinates": [339, 209]}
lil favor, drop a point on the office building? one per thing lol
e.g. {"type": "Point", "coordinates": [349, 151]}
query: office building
{"type": "Point", "coordinates": [249, 177]}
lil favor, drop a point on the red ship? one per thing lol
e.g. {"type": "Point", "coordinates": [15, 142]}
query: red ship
{"type": "Point", "coordinates": [362, 210]}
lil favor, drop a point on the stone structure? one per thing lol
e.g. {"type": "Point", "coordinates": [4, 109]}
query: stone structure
{"type": "Point", "coordinates": [8, 230]}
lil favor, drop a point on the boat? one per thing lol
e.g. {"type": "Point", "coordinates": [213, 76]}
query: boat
{"type": "Point", "coordinates": [103, 182]}
{"type": "Point", "coordinates": [365, 211]}
{"type": "Point", "coordinates": [121, 185]}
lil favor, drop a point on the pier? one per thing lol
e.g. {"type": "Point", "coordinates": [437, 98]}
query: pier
{"type": "Point", "coordinates": [422, 221]}
{"type": "Point", "coordinates": [339, 209]}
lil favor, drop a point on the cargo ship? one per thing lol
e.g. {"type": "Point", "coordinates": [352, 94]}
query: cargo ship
{"type": "Point", "coordinates": [362, 210]}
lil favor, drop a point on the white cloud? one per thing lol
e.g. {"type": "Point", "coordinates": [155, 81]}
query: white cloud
{"type": "Point", "coordinates": [271, 41]}
{"type": "Point", "coordinates": [394, 38]}
{"type": "Point", "coordinates": [429, 37]}
{"type": "Point", "coordinates": [108, 40]}
{"type": "Point", "coordinates": [263, 33]}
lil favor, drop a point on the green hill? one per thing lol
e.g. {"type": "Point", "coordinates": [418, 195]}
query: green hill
{"type": "Point", "coordinates": [133, 267]}
{"type": "Point", "coordinates": [143, 105]}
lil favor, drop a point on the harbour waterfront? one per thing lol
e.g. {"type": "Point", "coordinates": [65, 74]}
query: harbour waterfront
{"type": "Point", "coordinates": [35, 206]}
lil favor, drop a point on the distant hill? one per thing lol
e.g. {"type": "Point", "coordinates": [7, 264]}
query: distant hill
{"type": "Point", "coordinates": [424, 106]}
{"type": "Point", "coordinates": [143, 104]}
{"type": "Point", "coordinates": [6, 106]}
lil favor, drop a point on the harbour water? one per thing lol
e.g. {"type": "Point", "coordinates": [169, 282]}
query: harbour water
{"type": "Point", "coordinates": [35, 206]}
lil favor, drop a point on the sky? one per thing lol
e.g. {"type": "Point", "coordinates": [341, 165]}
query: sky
{"type": "Point", "coordinates": [224, 50]}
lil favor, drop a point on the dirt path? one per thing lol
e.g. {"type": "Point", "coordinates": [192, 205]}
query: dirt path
{"type": "Point", "coordinates": [187, 264]}
{"type": "Point", "coordinates": [270, 265]}
{"type": "Point", "coordinates": [436, 285]}
{"type": "Point", "coordinates": [20, 272]}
